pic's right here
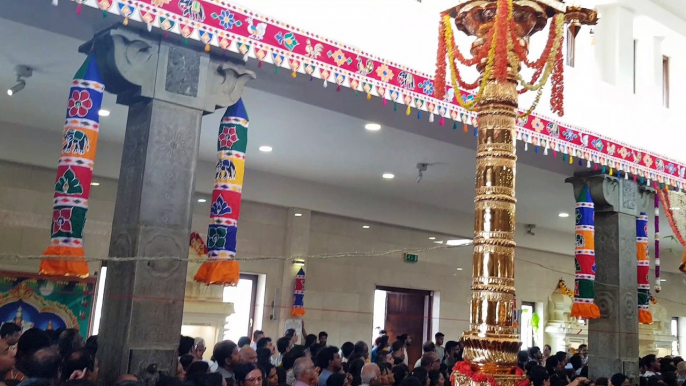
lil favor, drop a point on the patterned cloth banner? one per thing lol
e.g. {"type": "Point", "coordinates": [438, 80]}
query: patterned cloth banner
{"type": "Point", "coordinates": [223, 269]}
{"type": "Point", "coordinates": [658, 286]}
{"type": "Point", "coordinates": [299, 294]}
{"type": "Point", "coordinates": [673, 203]}
{"type": "Point", "coordinates": [74, 173]}
{"type": "Point", "coordinates": [643, 268]}
{"type": "Point", "coordinates": [584, 255]}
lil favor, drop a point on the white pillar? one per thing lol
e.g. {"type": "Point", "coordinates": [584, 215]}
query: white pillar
{"type": "Point", "coordinates": [615, 46]}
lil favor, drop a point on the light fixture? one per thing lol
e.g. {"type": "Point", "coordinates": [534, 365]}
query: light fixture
{"type": "Point", "coordinates": [201, 200]}
{"type": "Point", "coordinates": [563, 215]}
{"type": "Point", "coordinates": [266, 149]}
{"type": "Point", "coordinates": [663, 280]}
{"type": "Point", "coordinates": [388, 176]}
{"type": "Point", "coordinates": [675, 208]}
{"type": "Point", "coordinates": [372, 126]}
{"type": "Point", "coordinates": [21, 72]}
{"type": "Point", "coordinates": [299, 262]}
{"type": "Point", "coordinates": [365, 226]}
{"type": "Point", "coordinates": [438, 242]}
{"type": "Point", "coordinates": [432, 238]}
{"type": "Point", "coordinates": [298, 215]}
{"type": "Point", "coordinates": [104, 113]}
{"type": "Point", "coordinates": [458, 242]}
{"type": "Point", "coordinates": [95, 184]}
{"type": "Point", "coordinates": [459, 269]}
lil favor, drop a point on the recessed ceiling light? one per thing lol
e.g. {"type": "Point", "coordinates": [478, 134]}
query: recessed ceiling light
{"type": "Point", "coordinates": [432, 238]}
{"type": "Point", "coordinates": [266, 149]}
{"type": "Point", "coordinates": [663, 280]}
{"type": "Point", "coordinates": [298, 215]}
{"type": "Point", "coordinates": [388, 176]}
{"type": "Point", "coordinates": [201, 200]}
{"type": "Point", "coordinates": [675, 208]}
{"type": "Point", "coordinates": [438, 242]}
{"type": "Point", "coordinates": [365, 226]}
{"type": "Point", "coordinates": [104, 113]}
{"type": "Point", "coordinates": [459, 269]}
{"type": "Point", "coordinates": [458, 242]}
{"type": "Point", "coordinates": [95, 184]}
{"type": "Point", "coordinates": [563, 215]}
{"type": "Point", "coordinates": [372, 126]}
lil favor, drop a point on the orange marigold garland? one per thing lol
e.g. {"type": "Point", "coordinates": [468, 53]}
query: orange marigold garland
{"type": "Point", "coordinates": [558, 85]}
{"type": "Point", "coordinates": [472, 371]}
{"type": "Point", "coordinates": [501, 49]}
{"type": "Point", "coordinates": [439, 79]}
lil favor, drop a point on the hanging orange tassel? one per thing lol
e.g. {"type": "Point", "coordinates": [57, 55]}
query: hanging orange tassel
{"type": "Point", "coordinates": [76, 267]}
{"type": "Point", "coordinates": [225, 272]}
{"type": "Point", "coordinates": [585, 311]}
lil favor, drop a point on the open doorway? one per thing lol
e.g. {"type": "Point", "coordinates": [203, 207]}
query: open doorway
{"type": "Point", "coordinates": [403, 311]}
{"type": "Point", "coordinates": [243, 296]}
{"type": "Point", "coordinates": [526, 325]}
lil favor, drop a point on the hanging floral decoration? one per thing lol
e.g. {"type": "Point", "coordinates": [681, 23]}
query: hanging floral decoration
{"type": "Point", "coordinates": [502, 50]}
{"type": "Point", "coordinates": [467, 370]}
{"type": "Point", "coordinates": [642, 269]}
{"type": "Point", "coordinates": [677, 220]}
{"type": "Point", "coordinates": [658, 287]}
{"type": "Point", "coordinates": [299, 294]}
{"type": "Point", "coordinates": [584, 258]}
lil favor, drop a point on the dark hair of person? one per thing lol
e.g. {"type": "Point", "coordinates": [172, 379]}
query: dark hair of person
{"type": "Point", "coordinates": [290, 357]}
{"type": "Point", "coordinates": [67, 342]}
{"type": "Point", "coordinates": [522, 359]}
{"type": "Point", "coordinates": [561, 356]}
{"type": "Point", "coordinates": [618, 379]}
{"type": "Point", "coordinates": [421, 374]}
{"type": "Point", "coordinates": [325, 355]}
{"type": "Point", "coordinates": [223, 351]}
{"type": "Point", "coordinates": [530, 365]}
{"type": "Point", "coordinates": [412, 381]}
{"type": "Point", "coordinates": [78, 360]}
{"type": "Point", "coordinates": [92, 344]}
{"type": "Point", "coordinates": [399, 373]}
{"type": "Point", "coordinates": [648, 360]}
{"type": "Point", "coordinates": [42, 363]}
{"type": "Point", "coordinates": [581, 346]}
{"type": "Point", "coordinates": [323, 334]}
{"type": "Point", "coordinates": [538, 375]}
{"type": "Point", "coordinates": [347, 349]}
{"type": "Point", "coordinates": [451, 344]}
{"type": "Point", "coordinates": [355, 370]}
{"type": "Point", "coordinates": [197, 367]}
{"type": "Point", "coordinates": [185, 360]}
{"type": "Point", "coordinates": [243, 341]}
{"type": "Point", "coordinates": [263, 342]}
{"type": "Point", "coordinates": [257, 333]}
{"type": "Point", "coordinates": [185, 344]}
{"type": "Point", "coordinates": [282, 344]}
{"type": "Point", "coordinates": [289, 333]}
{"type": "Point", "coordinates": [9, 328]}
{"type": "Point", "coordinates": [576, 361]}
{"type": "Point", "coordinates": [670, 378]}
{"type": "Point", "coordinates": [310, 340]}
{"type": "Point", "coordinates": [434, 377]}
{"type": "Point", "coordinates": [402, 337]}
{"type": "Point", "coordinates": [242, 371]}
{"type": "Point", "coordinates": [381, 357]}
{"type": "Point", "coordinates": [533, 351]}
{"type": "Point", "coordinates": [281, 373]}
{"type": "Point", "coordinates": [263, 356]}
{"type": "Point", "coordinates": [550, 364]}
{"type": "Point", "coordinates": [29, 342]}
{"type": "Point", "coordinates": [383, 342]}
{"type": "Point", "coordinates": [314, 350]}
{"type": "Point", "coordinates": [360, 347]}
{"type": "Point", "coordinates": [336, 379]}
{"type": "Point", "coordinates": [428, 347]}
{"type": "Point", "coordinates": [602, 381]}
{"type": "Point", "coordinates": [548, 346]}
{"type": "Point", "coordinates": [439, 335]}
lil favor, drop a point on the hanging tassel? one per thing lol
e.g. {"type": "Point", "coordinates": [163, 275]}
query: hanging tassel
{"type": "Point", "coordinates": [619, 174]}
{"type": "Point", "coordinates": [338, 89]}
{"type": "Point", "coordinates": [383, 102]}
{"type": "Point", "coordinates": [611, 170]}
{"type": "Point", "coordinates": [648, 182]}
{"type": "Point", "coordinates": [588, 164]}
{"type": "Point", "coordinates": [78, 9]}
{"type": "Point", "coordinates": [395, 106]}
{"type": "Point", "coordinates": [294, 74]}
{"type": "Point", "coordinates": [149, 27]}
{"type": "Point", "coordinates": [441, 122]}
{"type": "Point", "coordinates": [571, 159]}
{"type": "Point", "coordinates": [259, 64]}
{"type": "Point", "coordinates": [166, 34]}
{"type": "Point", "coordinates": [595, 166]}
{"type": "Point", "coordinates": [369, 96]}
{"type": "Point", "coordinates": [126, 21]}
{"type": "Point", "coordinates": [311, 78]}
{"type": "Point", "coordinates": [207, 46]}
{"type": "Point", "coordinates": [465, 128]}
{"type": "Point", "coordinates": [105, 14]}
{"type": "Point", "coordinates": [554, 154]}
{"type": "Point", "coordinates": [408, 111]}
{"type": "Point", "coordinates": [431, 117]}
{"type": "Point", "coordinates": [526, 146]}
{"type": "Point", "coordinates": [603, 170]}
{"type": "Point", "coordinates": [626, 175]}
{"type": "Point", "coordinates": [564, 157]}
{"type": "Point", "coordinates": [634, 178]}
{"type": "Point", "coordinates": [245, 57]}
{"type": "Point", "coordinates": [476, 132]}
{"type": "Point", "coordinates": [326, 84]}
{"type": "Point", "coordinates": [455, 125]}
{"type": "Point", "coordinates": [536, 150]}
{"type": "Point", "coordinates": [355, 92]}
{"type": "Point", "coordinates": [419, 114]}
{"type": "Point", "coordinates": [185, 41]}
{"type": "Point", "coordinates": [580, 162]}
{"type": "Point", "coordinates": [545, 150]}
{"type": "Point", "coordinates": [276, 70]}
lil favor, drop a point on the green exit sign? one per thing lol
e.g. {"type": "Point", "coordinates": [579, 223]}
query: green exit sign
{"type": "Point", "coordinates": [410, 258]}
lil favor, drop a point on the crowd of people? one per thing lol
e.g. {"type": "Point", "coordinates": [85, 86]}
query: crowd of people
{"type": "Point", "coordinates": [62, 358]}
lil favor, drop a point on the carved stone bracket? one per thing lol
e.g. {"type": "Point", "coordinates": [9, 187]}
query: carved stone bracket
{"type": "Point", "coordinates": [136, 65]}
{"type": "Point", "coordinates": [612, 194]}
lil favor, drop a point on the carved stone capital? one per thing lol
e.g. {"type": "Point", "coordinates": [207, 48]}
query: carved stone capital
{"type": "Point", "coordinates": [610, 194]}
{"type": "Point", "coordinates": [136, 65]}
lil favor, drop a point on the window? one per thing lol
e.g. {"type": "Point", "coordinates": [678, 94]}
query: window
{"type": "Point", "coordinates": [571, 47]}
{"type": "Point", "coordinates": [525, 326]}
{"type": "Point", "coordinates": [240, 323]}
{"type": "Point", "coordinates": [675, 333]}
{"type": "Point", "coordinates": [665, 81]}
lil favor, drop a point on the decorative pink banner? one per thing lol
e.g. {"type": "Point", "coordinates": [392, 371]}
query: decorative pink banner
{"type": "Point", "coordinates": [221, 24]}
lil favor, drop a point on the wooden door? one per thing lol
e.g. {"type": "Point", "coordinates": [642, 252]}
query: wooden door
{"type": "Point", "coordinates": [406, 313]}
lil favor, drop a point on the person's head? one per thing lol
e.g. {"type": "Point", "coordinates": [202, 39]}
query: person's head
{"type": "Point", "coordinates": [547, 350]}
{"type": "Point", "coordinates": [257, 335]}
{"type": "Point", "coordinates": [620, 379]}
{"type": "Point", "coordinates": [397, 352]}
{"type": "Point", "coordinates": [185, 360]}
{"type": "Point", "coordinates": [328, 358]}
{"type": "Point", "coordinates": [428, 347]}
{"type": "Point", "coordinates": [247, 355]}
{"type": "Point", "coordinates": [670, 378]}
{"type": "Point", "coordinates": [412, 380]}
{"type": "Point", "coordinates": [304, 371]}
{"type": "Point", "coordinates": [269, 372]}
{"type": "Point", "coordinates": [336, 379]}
{"type": "Point", "coordinates": [264, 356]}
{"type": "Point", "coordinates": [583, 350]}
{"type": "Point", "coordinates": [439, 337]}
{"type": "Point", "coordinates": [552, 364]}
{"type": "Point", "coordinates": [266, 342]}
{"type": "Point", "coordinates": [522, 359]}
{"type": "Point", "coordinates": [681, 369]}
{"type": "Point", "coordinates": [451, 348]}
{"type": "Point", "coordinates": [323, 338]}
{"type": "Point", "coordinates": [538, 376]}
{"type": "Point", "coordinates": [382, 342]}
{"type": "Point", "coordinates": [576, 361]}
{"type": "Point", "coordinates": [355, 369]}
{"type": "Point", "coordinates": [369, 372]}
{"type": "Point", "coordinates": [430, 361]}
{"type": "Point", "coordinates": [314, 350]}
{"type": "Point", "coordinates": [10, 333]}
{"type": "Point", "coordinates": [283, 344]}
{"type": "Point", "coordinates": [248, 374]}
{"type": "Point", "coordinates": [225, 353]}
{"type": "Point", "coordinates": [69, 340]}
{"type": "Point", "coordinates": [243, 341]}
{"type": "Point", "coordinates": [562, 358]}
{"type": "Point", "coordinates": [361, 349]}
{"type": "Point", "coordinates": [602, 381]}
{"type": "Point", "coordinates": [92, 344]}
{"type": "Point", "coordinates": [535, 353]}
{"type": "Point", "coordinates": [43, 363]}
{"type": "Point", "coordinates": [347, 349]}
{"type": "Point", "coordinates": [651, 363]}
{"type": "Point", "coordinates": [310, 340]}
{"type": "Point", "coordinates": [185, 345]}
{"type": "Point", "coordinates": [436, 378]}
{"type": "Point", "coordinates": [291, 356]}
{"type": "Point", "coordinates": [399, 373]}
{"type": "Point", "coordinates": [292, 335]}
{"type": "Point", "coordinates": [200, 367]}
{"type": "Point", "coordinates": [78, 361]}
{"type": "Point", "coordinates": [383, 358]}
{"type": "Point", "coordinates": [422, 374]}
{"type": "Point", "coordinates": [29, 342]}
{"type": "Point", "coordinates": [529, 366]}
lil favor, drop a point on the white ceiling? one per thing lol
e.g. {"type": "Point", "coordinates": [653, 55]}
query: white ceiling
{"type": "Point", "coordinates": [317, 134]}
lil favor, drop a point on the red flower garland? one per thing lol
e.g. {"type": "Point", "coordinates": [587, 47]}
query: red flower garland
{"type": "Point", "coordinates": [558, 82]}
{"type": "Point", "coordinates": [439, 80]}
{"type": "Point", "coordinates": [472, 371]}
{"type": "Point", "coordinates": [501, 23]}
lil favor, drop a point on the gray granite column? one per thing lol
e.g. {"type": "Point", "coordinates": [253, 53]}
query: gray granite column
{"type": "Point", "coordinates": [168, 89]}
{"type": "Point", "coordinates": [613, 339]}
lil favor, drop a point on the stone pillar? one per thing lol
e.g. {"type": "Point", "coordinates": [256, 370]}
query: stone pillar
{"type": "Point", "coordinates": [613, 339]}
{"type": "Point", "coordinates": [168, 89]}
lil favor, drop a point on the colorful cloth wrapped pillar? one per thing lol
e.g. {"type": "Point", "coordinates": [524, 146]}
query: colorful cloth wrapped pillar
{"type": "Point", "coordinates": [299, 294]}
{"type": "Point", "coordinates": [643, 268]}
{"type": "Point", "coordinates": [658, 286]}
{"type": "Point", "coordinates": [584, 255]}
{"type": "Point", "coordinates": [221, 267]}
{"type": "Point", "coordinates": [74, 174]}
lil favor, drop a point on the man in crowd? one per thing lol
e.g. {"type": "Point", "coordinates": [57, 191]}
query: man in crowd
{"type": "Point", "coordinates": [407, 340]}
{"type": "Point", "coordinates": [681, 372]}
{"type": "Point", "coordinates": [583, 351]}
{"type": "Point", "coordinates": [440, 350]}
{"type": "Point", "coordinates": [283, 345]}
{"type": "Point", "coordinates": [243, 341]}
{"type": "Point", "coordinates": [429, 362]}
{"type": "Point", "coordinates": [41, 367]}
{"type": "Point", "coordinates": [652, 366]}
{"type": "Point", "coordinates": [247, 355]}
{"type": "Point", "coordinates": [451, 350]}
{"type": "Point", "coordinates": [304, 372]}
{"type": "Point", "coordinates": [398, 352]}
{"type": "Point", "coordinates": [370, 371]}
{"type": "Point", "coordinates": [9, 336]}
{"type": "Point", "coordinates": [256, 336]}
{"type": "Point", "coordinates": [428, 347]}
{"type": "Point", "coordinates": [329, 361]}
{"type": "Point", "coordinates": [226, 355]}
{"type": "Point", "coordinates": [323, 337]}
